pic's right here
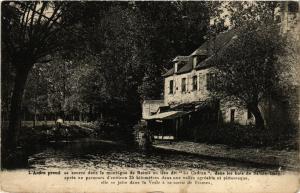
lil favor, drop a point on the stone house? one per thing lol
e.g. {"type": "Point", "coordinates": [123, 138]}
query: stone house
{"type": "Point", "coordinates": [188, 103]}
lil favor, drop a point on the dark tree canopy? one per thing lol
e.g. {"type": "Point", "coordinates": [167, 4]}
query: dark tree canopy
{"type": "Point", "coordinates": [92, 57]}
{"type": "Point", "coordinates": [248, 67]}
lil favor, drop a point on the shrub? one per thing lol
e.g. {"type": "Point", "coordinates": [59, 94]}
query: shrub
{"type": "Point", "coordinates": [113, 130]}
{"type": "Point", "coordinates": [241, 136]}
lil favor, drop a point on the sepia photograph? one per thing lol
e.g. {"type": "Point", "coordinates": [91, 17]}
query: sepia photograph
{"type": "Point", "coordinates": [180, 96]}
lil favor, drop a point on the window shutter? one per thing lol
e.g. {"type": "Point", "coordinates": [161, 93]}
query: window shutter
{"type": "Point", "coordinates": [189, 83]}
{"type": "Point", "coordinates": [201, 82]}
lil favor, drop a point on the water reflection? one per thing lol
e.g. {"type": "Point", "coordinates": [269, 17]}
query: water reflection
{"type": "Point", "coordinates": [96, 154]}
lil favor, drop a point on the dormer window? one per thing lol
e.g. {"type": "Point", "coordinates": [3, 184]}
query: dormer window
{"type": "Point", "coordinates": [197, 59]}
{"type": "Point", "coordinates": [179, 65]}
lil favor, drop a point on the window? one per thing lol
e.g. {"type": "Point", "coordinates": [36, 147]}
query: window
{"type": "Point", "coordinates": [194, 82]}
{"type": "Point", "coordinates": [179, 65]}
{"type": "Point", "coordinates": [198, 59]}
{"type": "Point", "coordinates": [211, 81]}
{"type": "Point", "coordinates": [171, 85]}
{"type": "Point", "coordinates": [183, 85]}
{"type": "Point", "coordinates": [232, 111]}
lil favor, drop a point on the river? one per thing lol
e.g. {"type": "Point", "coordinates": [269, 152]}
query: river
{"type": "Point", "coordinates": [97, 154]}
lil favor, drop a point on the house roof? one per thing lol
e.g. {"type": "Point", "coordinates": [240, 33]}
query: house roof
{"type": "Point", "coordinates": [194, 106]}
{"type": "Point", "coordinates": [180, 58]}
{"type": "Point", "coordinates": [185, 68]}
{"type": "Point", "coordinates": [166, 115]}
{"type": "Point", "coordinates": [215, 44]}
{"type": "Point", "coordinates": [208, 62]}
{"type": "Point", "coordinates": [182, 68]}
{"type": "Point", "coordinates": [169, 72]}
{"type": "Point", "coordinates": [200, 51]}
{"type": "Point", "coordinates": [204, 64]}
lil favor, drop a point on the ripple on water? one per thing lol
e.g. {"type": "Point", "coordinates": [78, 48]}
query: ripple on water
{"type": "Point", "coordinates": [107, 156]}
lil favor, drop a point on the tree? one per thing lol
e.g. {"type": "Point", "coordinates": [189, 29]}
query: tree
{"type": "Point", "coordinates": [241, 12]}
{"type": "Point", "coordinates": [48, 88]}
{"type": "Point", "coordinates": [127, 43]}
{"type": "Point", "coordinates": [30, 32]}
{"type": "Point", "coordinates": [35, 99]}
{"type": "Point", "coordinates": [170, 29]}
{"type": "Point", "coordinates": [248, 67]}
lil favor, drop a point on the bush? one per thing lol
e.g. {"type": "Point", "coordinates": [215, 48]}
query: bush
{"type": "Point", "coordinates": [112, 130]}
{"type": "Point", "coordinates": [242, 136]}
{"type": "Point", "coordinates": [40, 135]}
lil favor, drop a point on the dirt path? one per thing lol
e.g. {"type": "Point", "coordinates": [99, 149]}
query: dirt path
{"type": "Point", "coordinates": [286, 159]}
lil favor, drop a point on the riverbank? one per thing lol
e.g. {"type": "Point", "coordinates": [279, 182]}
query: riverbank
{"type": "Point", "coordinates": [45, 133]}
{"type": "Point", "coordinates": [94, 154]}
{"type": "Point", "coordinates": [34, 138]}
{"type": "Point", "coordinates": [288, 159]}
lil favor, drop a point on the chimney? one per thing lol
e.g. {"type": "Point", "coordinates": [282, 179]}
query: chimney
{"type": "Point", "coordinates": [175, 67]}
{"type": "Point", "coordinates": [194, 61]}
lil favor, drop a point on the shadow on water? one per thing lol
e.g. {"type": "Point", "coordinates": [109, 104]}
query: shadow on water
{"type": "Point", "coordinates": [98, 154]}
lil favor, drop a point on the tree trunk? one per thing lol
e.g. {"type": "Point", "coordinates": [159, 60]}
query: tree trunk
{"type": "Point", "coordinates": [35, 101]}
{"type": "Point", "coordinates": [10, 138]}
{"type": "Point", "coordinates": [90, 113]}
{"type": "Point", "coordinates": [259, 121]}
{"type": "Point", "coordinates": [80, 117]}
{"type": "Point", "coordinates": [45, 119]}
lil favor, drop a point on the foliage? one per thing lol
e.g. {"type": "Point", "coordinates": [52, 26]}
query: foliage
{"type": "Point", "coordinates": [30, 33]}
{"type": "Point", "coordinates": [242, 12]}
{"type": "Point", "coordinates": [249, 62]}
{"type": "Point", "coordinates": [43, 134]}
{"type": "Point", "coordinates": [169, 29]}
{"type": "Point", "coordinates": [290, 70]}
{"type": "Point", "coordinates": [247, 136]}
{"type": "Point", "coordinates": [248, 67]}
{"type": "Point", "coordinates": [93, 59]}
{"type": "Point", "coordinates": [119, 57]}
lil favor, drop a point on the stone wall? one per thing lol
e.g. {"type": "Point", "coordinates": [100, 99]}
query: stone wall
{"type": "Point", "coordinates": [150, 107]}
{"type": "Point", "coordinates": [179, 97]}
{"type": "Point", "coordinates": [240, 113]}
